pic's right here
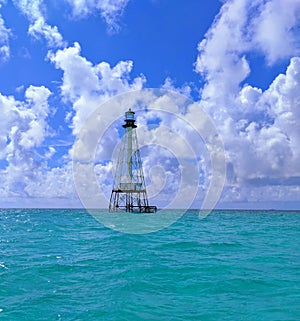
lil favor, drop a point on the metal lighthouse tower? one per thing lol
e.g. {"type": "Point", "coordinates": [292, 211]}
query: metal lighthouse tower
{"type": "Point", "coordinates": [129, 190]}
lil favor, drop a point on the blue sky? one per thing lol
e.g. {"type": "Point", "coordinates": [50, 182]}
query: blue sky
{"type": "Point", "coordinates": [237, 60]}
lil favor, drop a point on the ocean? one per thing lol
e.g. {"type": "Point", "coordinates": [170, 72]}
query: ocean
{"type": "Point", "coordinates": [233, 265]}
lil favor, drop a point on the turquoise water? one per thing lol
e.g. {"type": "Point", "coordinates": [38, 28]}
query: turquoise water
{"type": "Point", "coordinates": [64, 265]}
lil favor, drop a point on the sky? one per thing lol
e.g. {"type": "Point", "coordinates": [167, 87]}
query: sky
{"type": "Point", "coordinates": [65, 63]}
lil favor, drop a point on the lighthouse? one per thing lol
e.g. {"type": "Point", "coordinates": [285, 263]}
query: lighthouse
{"type": "Point", "coordinates": [129, 191]}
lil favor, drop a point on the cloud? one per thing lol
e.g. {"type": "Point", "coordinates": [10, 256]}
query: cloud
{"type": "Point", "coordinates": [221, 51]}
{"type": "Point", "coordinates": [27, 179]}
{"type": "Point", "coordinates": [184, 90]}
{"type": "Point", "coordinates": [244, 26]}
{"type": "Point", "coordinates": [260, 194]}
{"type": "Point", "coordinates": [34, 9]}
{"type": "Point", "coordinates": [51, 34]}
{"type": "Point", "coordinates": [110, 10]}
{"type": "Point", "coordinates": [4, 40]}
{"type": "Point", "coordinates": [50, 153]}
{"type": "Point", "coordinates": [23, 128]}
{"type": "Point", "coordinates": [276, 29]}
{"type": "Point", "coordinates": [260, 129]}
{"type": "Point", "coordinates": [277, 140]}
{"type": "Point", "coordinates": [52, 185]}
{"type": "Point", "coordinates": [87, 86]}
{"type": "Point", "coordinates": [21, 120]}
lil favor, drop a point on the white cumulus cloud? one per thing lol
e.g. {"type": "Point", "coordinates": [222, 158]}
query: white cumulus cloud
{"type": "Point", "coordinates": [260, 128]}
{"type": "Point", "coordinates": [276, 29]}
{"type": "Point", "coordinates": [23, 128]}
{"type": "Point", "coordinates": [87, 86]}
{"type": "Point", "coordinates": [27, 179]}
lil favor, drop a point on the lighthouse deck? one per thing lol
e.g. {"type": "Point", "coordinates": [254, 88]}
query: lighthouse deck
{"type": "Point", "coordinates": [135, 209]}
